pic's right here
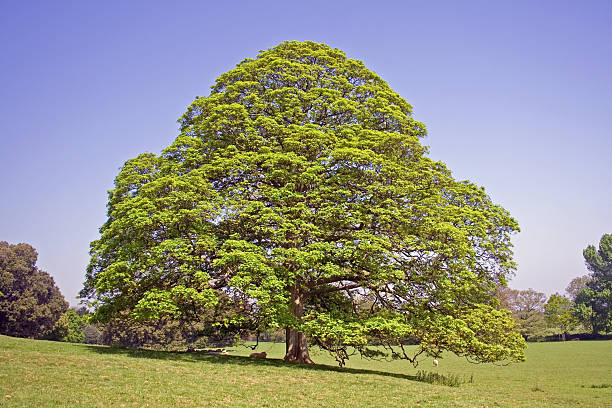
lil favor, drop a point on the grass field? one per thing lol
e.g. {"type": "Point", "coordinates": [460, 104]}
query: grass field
{"type": "Point", "coordinates": [49, 374]}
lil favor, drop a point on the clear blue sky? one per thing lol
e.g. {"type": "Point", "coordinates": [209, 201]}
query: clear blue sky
{"type": "Point", "coordinates": [516, 95]}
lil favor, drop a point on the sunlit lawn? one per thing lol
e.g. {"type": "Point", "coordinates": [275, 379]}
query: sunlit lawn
{"type": "Point", "coordinates": [47, 374]}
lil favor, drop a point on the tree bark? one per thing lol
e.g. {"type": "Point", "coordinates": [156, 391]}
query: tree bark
{"type": "Point", "coordinates": [296, 347]}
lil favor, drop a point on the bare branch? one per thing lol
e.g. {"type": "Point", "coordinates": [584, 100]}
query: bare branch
{"type": "Point", "coordinates": [330, 289]}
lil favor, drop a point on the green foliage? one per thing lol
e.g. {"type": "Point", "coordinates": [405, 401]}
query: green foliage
{"type": "Point", "coordinates": [196, 328]}
{"type": "Point", "coordinates": [69, 327]}
{"type": "Point", "coordinates": [75, 327]}
{"type": "Point", "coordinates": [159, 334]}
{"type": "Point", "coordinates": [558, 314]}
{"type": "Point", "coordinates": [30, 303]}
{"type": "Point", "coordinates": [576, 285]}
{"type": "Point", "coordinates": [589, 308]}
{"type": "Point", "coordinates": [527, 309]}
{"type": "Point", "coordinates": [299, 189]}
{"type": "Point", "coordinates": [593, 303]}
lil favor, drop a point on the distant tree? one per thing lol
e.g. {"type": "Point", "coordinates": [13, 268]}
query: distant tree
{"type": "Point", "coordinates": [81, 311]}
{"type": "Point", "coordinates": [198, 328]}
{"type": "Point", "coordinates": [584, 310]}
{"type": "Point", "coordinates": [506, 297]}
{"type": "Point", "coordinates": [161, 333]}
{"type": "Point", "coordinates": [576, 285]}
{"type": "Point", "coordinates": [91, 334]}
{"type": "Point", "coordinates": [70, 326]}
{"type": "Point", "coordinates": [558, 314]}
{"type": "Point", "coordinates": [60, 329]}
{"type": "Point", "coordinates": [75, 327]}
{"type": "Point", "coordinates": [593, 303]}
{"type": "Point", "coordinates": [527, 309]}
{"type": "Point", "coordinates": [300, 188]}
{"type": "Point", "coordinates": [30, 303]}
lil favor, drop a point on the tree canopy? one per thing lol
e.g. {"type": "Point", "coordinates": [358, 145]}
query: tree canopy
{"type": "Point", "coordinates": [558, 313]}
{"type": "Point", "coordinates": [299, 189]}
{"type": "Point", "coordinates": [527, 308]}
{"type": "Point", "coordinates": [593, 303]}
{"type": "Point", "coordinates": [30, 303]}
{"type": "Point", "coordinates": [576, 285]}
{"type": "Point", "coordinates": [69, 327]}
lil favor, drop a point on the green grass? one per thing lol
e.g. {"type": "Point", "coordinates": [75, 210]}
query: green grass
{"type": "Point", "coordinates": [49, 374]}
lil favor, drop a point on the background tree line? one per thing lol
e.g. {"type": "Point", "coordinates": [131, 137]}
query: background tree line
{"type": "Point", "coordinates": [32, 306]}
{"type": "Point", "coordinates": [586, 307]}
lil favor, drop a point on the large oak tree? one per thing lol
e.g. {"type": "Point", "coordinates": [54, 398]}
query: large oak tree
{"type": "Point", "coordinates": [300, 189]}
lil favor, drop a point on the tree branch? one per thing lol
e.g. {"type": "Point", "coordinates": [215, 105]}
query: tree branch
{"type": "Point", "coordinates": [330, 289]}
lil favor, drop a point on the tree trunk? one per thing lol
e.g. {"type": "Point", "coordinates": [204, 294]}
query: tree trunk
{"type": "Point", "coordinates": [296, 347]}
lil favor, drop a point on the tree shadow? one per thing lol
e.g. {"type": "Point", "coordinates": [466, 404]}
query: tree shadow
{"type": "Point", "coordinates": [191, 357]}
